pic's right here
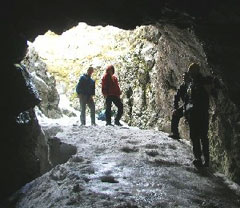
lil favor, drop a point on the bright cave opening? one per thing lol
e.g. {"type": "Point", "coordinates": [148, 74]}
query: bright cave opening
{"type": "Point", "coordinates": [57, 61]}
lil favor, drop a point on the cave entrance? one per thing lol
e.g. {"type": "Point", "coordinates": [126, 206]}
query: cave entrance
{"type": "Point", "coordinates": [57, 61]}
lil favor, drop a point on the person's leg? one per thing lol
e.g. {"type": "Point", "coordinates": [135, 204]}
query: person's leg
{"type": "Point", "coordinates": [195, 138]}
{"type": "Point", "coordinates": [91, 106]}
{"type": "Point", "coordinates": [205, 148]}
{"type": "Point", "coordinates": [205, 141]}
{"type": "Point", "coordinates": [197, 152]}
{"type": "Point", "coordinates": [108, 110]}
{"type": "Point", "coordinates": [176, 116]}
{"type": "Point", "coordinates": [117, 101]}
{"type": "Point", "coordinates": [82, 100]}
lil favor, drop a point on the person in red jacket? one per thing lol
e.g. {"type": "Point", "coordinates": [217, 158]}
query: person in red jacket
{"type": "Point", "coordinates": [112, 92]}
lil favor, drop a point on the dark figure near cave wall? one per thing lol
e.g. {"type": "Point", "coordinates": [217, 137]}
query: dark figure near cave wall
{"type": "Point", "coordinates": [197, 105]}
{"type": "Point", "coordinates": [178, 111]}
{"type": "Point", "coordinates": [195, 97]}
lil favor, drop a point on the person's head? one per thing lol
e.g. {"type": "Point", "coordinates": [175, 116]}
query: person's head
{"type": "Point", "coordinates": [194, 70]}
{"type": "Point", "coordinates": [90, 71]}
{"type": "Point", "coordinates": [110, 70]}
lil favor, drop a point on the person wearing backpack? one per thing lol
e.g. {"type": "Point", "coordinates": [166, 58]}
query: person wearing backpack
{"type": "Point", "coordinates": [86, 90]}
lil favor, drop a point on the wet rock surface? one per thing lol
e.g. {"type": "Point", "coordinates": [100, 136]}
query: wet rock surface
{"type": "Point", "coordinates": [126, 167]}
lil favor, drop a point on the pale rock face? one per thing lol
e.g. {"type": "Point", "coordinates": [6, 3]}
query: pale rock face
{"type": "Point", "coordinates": [45, 83]}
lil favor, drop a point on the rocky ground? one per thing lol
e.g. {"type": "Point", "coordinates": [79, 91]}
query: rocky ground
{"type": "Point", "coordinates": [124, 167]}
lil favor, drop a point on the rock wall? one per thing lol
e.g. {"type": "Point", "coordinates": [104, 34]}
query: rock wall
{"type": "Point", "coordinates": [222, 49]}
{"type": "Point", "coordinates": [154, 72]}
{"type": "Point", "coordinates": [149, 90]}
{"type": "Point", "coordinates": [44, 82]}
{"type": "Point", "coordinates": [224, 136]}
{"type": "Point", "coordinates": [23, 150]}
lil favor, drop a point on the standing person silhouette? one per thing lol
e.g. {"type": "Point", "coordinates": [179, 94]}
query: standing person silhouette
{"type": "Point", "coordinates": [197, 115]}
{"type": "Point", "coordinates": [112, 92]}
{"type": "Point", "coordinates": [195, 97]}
{"type": "Point", "coordinates": [179, 111]}
{"type": "Point", "coordinates": [86, 90]}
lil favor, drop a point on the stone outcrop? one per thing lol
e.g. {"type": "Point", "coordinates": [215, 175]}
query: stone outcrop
{"type": "Point", "coordinates": [44, 82]}
{"type": "Point", "coordinates": [149, 90]}
{"type": "Point", "coordinates": [24, 150]}
{"type": "Point", "coordinates": [222, 49]}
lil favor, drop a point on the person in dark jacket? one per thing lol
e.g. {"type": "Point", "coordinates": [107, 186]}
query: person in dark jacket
{"type": "Point", "coordinates": [86, 90]}
{"type": "Point", "coordinates": [178, 111]}
{"type": "Point", "coordinates": [112, 92]}
{"type": "Point", "coordinates": [197, 115]}
{"type": "Point", "coordinates": [195, 109]}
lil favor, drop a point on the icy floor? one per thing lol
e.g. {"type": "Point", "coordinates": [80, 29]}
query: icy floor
{"type": "Point", "coordinates": [124, 167]}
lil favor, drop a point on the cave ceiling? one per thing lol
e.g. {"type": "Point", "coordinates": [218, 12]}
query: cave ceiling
{"type": "Point", "coordinates": [36, 17]}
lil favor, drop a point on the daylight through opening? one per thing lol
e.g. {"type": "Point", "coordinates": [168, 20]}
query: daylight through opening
{"type": "Point", "coordinates": [57, 61]}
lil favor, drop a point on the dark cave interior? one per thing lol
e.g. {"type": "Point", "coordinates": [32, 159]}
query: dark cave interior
{"type": "Point", "coordinates": [216, 23]}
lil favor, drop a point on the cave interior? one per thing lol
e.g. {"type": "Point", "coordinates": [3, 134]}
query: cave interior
{"type": "Point", "coordinates": [215, 22]}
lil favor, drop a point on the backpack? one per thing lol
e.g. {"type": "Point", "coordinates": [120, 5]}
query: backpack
{"type": "Point", "coordinates": [102, 116]}
{"type": "Point", "coordinates": [78, 88]}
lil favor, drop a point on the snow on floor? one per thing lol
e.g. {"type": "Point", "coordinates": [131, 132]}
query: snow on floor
{"type": "Point", "coordinates": [124, 167]}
